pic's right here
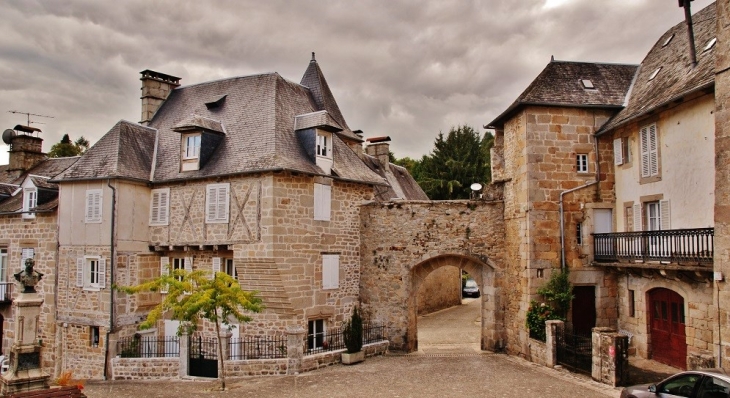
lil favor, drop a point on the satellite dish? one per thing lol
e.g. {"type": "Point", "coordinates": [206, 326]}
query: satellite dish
{"type": "Point", "coordinates": [8, 136]}
{"type": "Point", "coordinates": [474, 187]}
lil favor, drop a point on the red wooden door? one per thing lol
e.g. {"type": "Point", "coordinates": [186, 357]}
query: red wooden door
{"type": "Point", "coordinates": [668, 341]}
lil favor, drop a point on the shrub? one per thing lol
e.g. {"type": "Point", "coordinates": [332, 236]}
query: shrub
{"type": "Point", "coordinates": [537, 315]}
{"type": "Point", "coordinates": [352, 332]}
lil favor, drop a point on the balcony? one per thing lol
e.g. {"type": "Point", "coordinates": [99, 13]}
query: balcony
{"type": "Point", "coordinates": [674, 249]}
{"type": "Point", "coordinates": [6, 292]}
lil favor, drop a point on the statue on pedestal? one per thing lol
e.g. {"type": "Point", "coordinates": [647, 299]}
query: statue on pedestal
{"type": "Point", "coordinates": [28, 277]}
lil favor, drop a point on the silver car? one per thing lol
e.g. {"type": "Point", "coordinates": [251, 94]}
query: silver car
{"type": "Point", "coordinates": [707, 383]}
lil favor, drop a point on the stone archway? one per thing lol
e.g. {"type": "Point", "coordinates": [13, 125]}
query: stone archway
{"type": "Point", "coordinates": [483, 274]}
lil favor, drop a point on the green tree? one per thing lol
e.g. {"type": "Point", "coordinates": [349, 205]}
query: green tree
{"type": "Point", "coordinates": [192, 296]}
{"type": "Point", "coordinates": [66, 148]}
{"type": "Point", "coordinates": [457, 161]}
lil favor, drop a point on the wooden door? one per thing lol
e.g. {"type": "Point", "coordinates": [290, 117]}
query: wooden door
{"type": "Point", "coordinates": [584, 309]}
{"type": "Point", "coordinates": [668, 340]}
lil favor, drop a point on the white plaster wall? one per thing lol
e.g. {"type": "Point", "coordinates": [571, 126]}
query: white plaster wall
{"type": "Point", "coordinates": [687, 146]}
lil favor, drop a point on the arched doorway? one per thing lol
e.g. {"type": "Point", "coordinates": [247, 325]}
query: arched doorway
{"type": "Point", "coordinates": [666, 327]}
{"type": "Point", "coordinates": [483, 274]}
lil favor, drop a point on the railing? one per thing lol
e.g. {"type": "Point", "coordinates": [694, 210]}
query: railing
{"type": "Point", "coordinates": [6, 292]}
{"type": "Point", "coordinates": [681, 246]}
{"type": "Point", "coordinates": [257, 347]}
{"type": "Point", "coordinates": [333, 339]}
{"type": "Point", "coordinates": [149, 347]}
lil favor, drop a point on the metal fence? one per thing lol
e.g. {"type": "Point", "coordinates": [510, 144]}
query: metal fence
{"type": "Point", "coordinates": [574, 351]}
{"type": "Point", "coordinates": [149, 347]}
{"type": "Point", "coordinates": [257, 347]}
{"type": "Point", "coordinates": [333, 339]}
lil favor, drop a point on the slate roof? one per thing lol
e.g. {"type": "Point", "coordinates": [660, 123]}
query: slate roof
{"type": "Point", "coordinates": [126, 151]}
{"type": "Point", "coordinates": [257, 116]}
{"type": "Point", "coordinates": [401, 185]}
{"type": "Point", "coordinates": [41, 176]}
{"type": "Point", "coordinates": [559, 84]}
{"type": "Point", "coordinates": [677, 78]}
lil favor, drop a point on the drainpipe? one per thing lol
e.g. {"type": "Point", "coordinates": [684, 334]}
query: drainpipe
{"type": "Point", "coordinates": [111, 271]}
{"type": "Point", "coordinates": [562, 221]}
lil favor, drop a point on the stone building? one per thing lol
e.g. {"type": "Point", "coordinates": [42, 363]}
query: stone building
{"type": "Point", "coordinates": [28, 229]}
{"type": "Point", "coordinates": [608, 173]}
{"type": "Point", "coordinates": [255, 176]}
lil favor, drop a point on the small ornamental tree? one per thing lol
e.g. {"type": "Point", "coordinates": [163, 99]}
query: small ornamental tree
{"type": "Point", "coordinates": [192, 296]}
{"type": "Point", "coordinates": [352, 332]}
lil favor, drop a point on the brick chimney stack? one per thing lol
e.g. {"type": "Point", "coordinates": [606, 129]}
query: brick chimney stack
{"type": "Point", "coordinates": [379, 148]}
{"type": "Point", "coordinates": [155, 89]}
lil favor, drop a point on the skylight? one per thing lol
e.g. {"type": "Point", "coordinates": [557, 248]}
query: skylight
{"type": "Point", "coordinates": [710, 44]}
{"type": "Point", "coordinates": [669, 39]}
{"type": "Point", "coordinates": [656, 72]}
{"type": "Point", "coordinates": [587, 84]}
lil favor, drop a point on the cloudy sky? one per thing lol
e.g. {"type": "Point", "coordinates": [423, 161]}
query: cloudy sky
{"type": "Point", "coordinates": [404, 68]}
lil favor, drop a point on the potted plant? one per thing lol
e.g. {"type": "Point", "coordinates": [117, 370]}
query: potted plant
{"type": "Point", "coordinates": [352, 334]}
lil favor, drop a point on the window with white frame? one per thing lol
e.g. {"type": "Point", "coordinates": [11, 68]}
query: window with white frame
{"type": "Point", "coordinates": [30, 201]}
{"type": "Point", "coordinates": [649, 146]}
{"type": "Point", "coordinates": [330, 271]}
{"type": "Point", "coordinates": [581, 163]}
{"type": "Point", "coordinates": [224, 265]}
{"type": "Point", "coordinates": [324, 145]}
{"type": "Point", "coordinates": [160, 206]}
{"type": "Point", "coordinates": [191, 146]}
{"type": "Point", "coordinates": [93, 206]}
{"type": "Point", "coordinates": [315, 334]}
{"type": "Point", "coordinates": [216, 203]}
{"type": "Point", "coordinates": [91, 272]}
{"type": "Point", "coordinates": [656, 216]}
{"type": "Point", "coordinates": [322, 202]}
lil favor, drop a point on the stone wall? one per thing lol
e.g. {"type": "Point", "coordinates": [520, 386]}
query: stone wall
{"type": "Point", "coordinates": [39, 234]}
{"type": "Point", "coordinates": [441, 289]}
{"type": "Point", "coordinates": [722, 176]}
{"type": "Point", "coordinates": [145, 368]}
{"type": "Point", "coordinates": [404, 241]}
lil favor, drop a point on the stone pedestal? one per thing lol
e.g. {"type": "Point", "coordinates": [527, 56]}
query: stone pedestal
{"type": "Point", "coordinates": [25, 372]}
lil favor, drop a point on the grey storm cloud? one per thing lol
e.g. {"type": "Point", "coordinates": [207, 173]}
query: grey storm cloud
{"type": "Point", "coordinates": [408, 69]}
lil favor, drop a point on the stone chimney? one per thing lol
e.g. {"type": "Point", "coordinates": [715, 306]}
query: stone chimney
{"type": "Point", "coordinates": [26, 151]}
{"type": "Point", "coordinates": [379, 148]}
{"type": "Point", "coordinates": [155, 89]}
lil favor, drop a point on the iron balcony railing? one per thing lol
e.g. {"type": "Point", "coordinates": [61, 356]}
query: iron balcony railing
{"type": "Point", "coordinates": [680, 246]}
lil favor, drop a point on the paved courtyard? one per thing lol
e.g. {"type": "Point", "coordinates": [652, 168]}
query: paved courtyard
{"type": "Point", "coordinates": [419, 375]}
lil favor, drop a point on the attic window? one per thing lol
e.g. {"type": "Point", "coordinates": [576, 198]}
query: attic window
{"type": "Point", "coordinates": [588, 84]}
{"type": "Point", "coordinates": [215, 103]}
{"type": "Point", "coordinates": [669, 39]}
{"type": "Point", "coordinates": [710, 44]}
{"type": "Point", "coordinates": [656, 72]}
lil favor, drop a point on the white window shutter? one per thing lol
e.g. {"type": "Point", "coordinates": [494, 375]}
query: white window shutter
{"type": "Point", "coordinates": [637, 217]}
{"type": "Point", "coordinates": [164, 270]}
{"type": "Point", "coordinates": [102, 272]}
{"type": "Point", "coordinates": [188, 264]}
{"type": "Point", "coordinates": [80, 263]}
{"type": "Point", "coordinates": [216, 266]}
{"type": "Point", "coordinates": [164, 209]}
{"type": "Point", "coordinates": [665, 214]}
{"type": "Point", "coordinates": [211, 204]}
{"type": "Point", "coordinates": [330, 271]}
{"type": "Point", "coordinates": [618, 156]}
{"type": "Point", "coordinates": [653, 151]}
{"type": "Point", "coordinates": [223, 202]}
{"type": "Point", "coordinates": [322, 202]}
{"type": "Point", "coordinates": [644, 144]}
{"type": "Point", "coordinates": [155, 208]}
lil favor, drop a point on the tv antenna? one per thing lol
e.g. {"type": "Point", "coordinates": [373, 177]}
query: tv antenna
{"type": "Point", "coordinates": [28, 115]}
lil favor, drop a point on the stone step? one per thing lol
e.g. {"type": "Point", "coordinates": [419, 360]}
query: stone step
{"type": "Point", "coordinates": [264, 277]}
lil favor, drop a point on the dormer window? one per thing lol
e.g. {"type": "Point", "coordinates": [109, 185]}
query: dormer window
{"type": "Point", "coordinates": [30, 201]}
{"type": "Point", "coordinates": [322, 145]}
{"type": "Point", "coordinates": [192, 146]}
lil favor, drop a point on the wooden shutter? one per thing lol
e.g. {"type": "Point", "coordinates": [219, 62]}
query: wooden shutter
{"type": "Point", "coordinates": [211, 204]}
{"type": "Point", "coordinates": [222, 211]}
{"type": "Point", "coordinates": [653, 151]}
{"type": "Point", "coordinates": [330, 271]}
{"type": "Point", "coordinates": [24, 254]}
{"type": "Point", "coordinates": [80, 263]}
{"type": "Point", "coordinates": [155, 208]}
{"type": "Point", "coordinates": [664, 214]}
{"type": "Point", "coordinates": [637, 217]}
{"type": "Point", "coordinates": [217, 202]}
{"type": "Point", "coordinates": [93, 206]}
{"type": "Point", "coordinates": [188, 264]}
{"type": "Point", "coordinates": [164, 270]}
{"type": "Point", "coordinates": [322, 202]}
{"type": "Point", "coordinates": [159, 208]}
{"type": "Point", "coordinates": [216, 266]}
{"type": "Point", "coordinates": [644, 144]}
{"type": "Point", "coordinates": [618, 156]}
{"type": "Point", "coordinates": [102, 272]}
